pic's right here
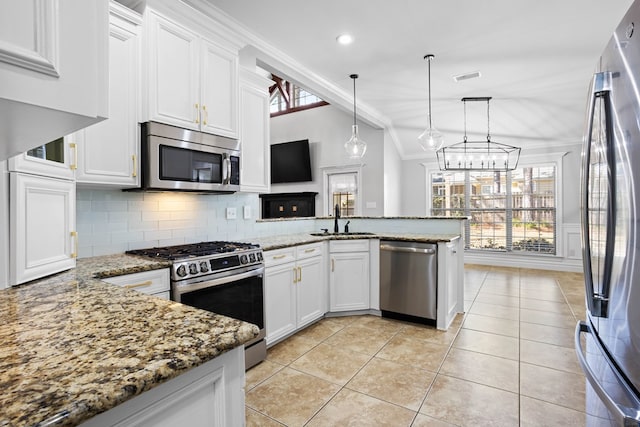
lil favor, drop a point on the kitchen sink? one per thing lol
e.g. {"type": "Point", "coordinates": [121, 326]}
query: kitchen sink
{"type": "Point", "coordinates": [350, 233]}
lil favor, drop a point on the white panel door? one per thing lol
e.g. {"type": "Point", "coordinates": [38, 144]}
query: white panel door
{"type": "Point", "coordinates": [219, 90]}
{"type": "Point", "coordinates": [349, 281]}
{"type": "Point", "coordinates": [279, 301]}
{"type": "Point", "coordinates": [254, 133]}
{"type": "Point", "coordinates": [173, 87]}
{"type": "Point", "coordinates": [108, 153]}
{"type": "Point", "coordinates": [310, 286]}
{"type": "Point", "coordinates": [42, 222]}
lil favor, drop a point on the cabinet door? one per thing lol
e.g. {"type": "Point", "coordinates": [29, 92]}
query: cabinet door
{"type": "Point", "coordinates": [279, 301]}
{"type": "Point", "coordinates": [155, 282]}
{"type": "Point", "coordinates": [254, 133]}
{"type": "Point", "coordinates": [42, 223]}
{"type": "Point", "coordinates": [310, 286]}
{"type": "Point", "coordinates": [108, 151]}
{"type": "Point", "coordinates": [55, 159]}
{"type": "Point", "coordinates": [53, 72]}
{"type": "Point", "coordinates": [349, 281]}
{"type": "Point", "coordinates": [218, 90]}
{"type": "Point", "coordinates": [173, 86]}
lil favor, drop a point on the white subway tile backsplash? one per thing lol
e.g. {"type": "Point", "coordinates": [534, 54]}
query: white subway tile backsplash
{"type": "Point", "coordinates": [109, 205]}
{"type": "Point", "coordinates": [157, 235]}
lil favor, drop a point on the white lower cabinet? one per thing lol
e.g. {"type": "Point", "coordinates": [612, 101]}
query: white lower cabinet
{"type": "Point", "coordinates": [154, 282]}
{"type": "Point", "coordinates": [211, 394]}
{"type": "Point", "coordinates": [349, 275]}
{"type": "Point", "coordinates": [42, 221]}
{"type": "Point", "coordinates": [295, 290]}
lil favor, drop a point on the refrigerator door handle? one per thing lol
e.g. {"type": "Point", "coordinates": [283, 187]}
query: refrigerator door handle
{"type": "Point", "coordinates": [625, 416]}
{"type": "Point", "coordinates": [597, 301]}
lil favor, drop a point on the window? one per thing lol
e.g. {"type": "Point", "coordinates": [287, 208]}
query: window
{"type": "Point", "coordinates": [509, 211]}
{"type": "Point", "coordinates": [343, 188]}
{"type": "Point", "coordinates": [287, 97]}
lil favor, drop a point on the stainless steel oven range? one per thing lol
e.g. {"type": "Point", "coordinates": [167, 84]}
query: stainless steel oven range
{"type": "Point", "coordinates": [222, 277]}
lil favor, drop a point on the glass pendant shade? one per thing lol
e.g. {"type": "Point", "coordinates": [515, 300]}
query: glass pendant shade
{"type": "Point", "coordinates": [355, 147]}
{"type": "Point", "coordinates": [431, 139]}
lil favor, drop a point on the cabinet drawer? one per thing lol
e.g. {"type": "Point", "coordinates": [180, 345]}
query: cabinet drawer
{"type": "Point", "coordinates": [308, 251]}
{"type": "Point", "coordinates": [279, 256]}
{"type": "Point", "coordinates": [361, 245]}
{"type": "Point", "coordinates": [148, 282]}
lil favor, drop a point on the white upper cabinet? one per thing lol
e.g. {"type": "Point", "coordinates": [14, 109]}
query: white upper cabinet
{"type": "Point", "coordinates": [57, 159]}
{"type": "Point", "coordinates": [254, 132]}
{"type": "Point", "coordinates": [108, 153]}
{"type": "Point", "coordinates": [192, 82]}
{"type": "Point", "coordinates": [53, 70]}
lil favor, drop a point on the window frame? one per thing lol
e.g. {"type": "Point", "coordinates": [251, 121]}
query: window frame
{"type": "Point", "coordinates": [357, 170]}
{"type": "Point", "coordinates": [530, 160]}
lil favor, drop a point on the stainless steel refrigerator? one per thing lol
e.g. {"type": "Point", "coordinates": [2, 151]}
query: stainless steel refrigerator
{"type": "Point", "coordinates": [608, 341]}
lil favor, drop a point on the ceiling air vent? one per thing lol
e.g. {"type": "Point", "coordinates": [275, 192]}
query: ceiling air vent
{"type": "Point", "coordinates": [466, 76]}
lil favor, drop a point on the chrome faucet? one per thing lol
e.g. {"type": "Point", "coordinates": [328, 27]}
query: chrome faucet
{"type": "Point", "coordinates": [336, 229]}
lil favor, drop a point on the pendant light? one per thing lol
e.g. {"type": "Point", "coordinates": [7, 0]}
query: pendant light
{"type": "Point", "coordinates": [431, 138]}
{"type": "Point", "coordinates": [478, 155]}
{"type": "Point", "coordinates": [355, 147]}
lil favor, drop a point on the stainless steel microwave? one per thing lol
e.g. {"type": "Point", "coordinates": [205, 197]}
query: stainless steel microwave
{"type": "Point", "coordinates": [178, 159]}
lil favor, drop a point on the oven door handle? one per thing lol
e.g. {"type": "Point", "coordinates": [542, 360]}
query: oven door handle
{"type": "Point", "coordinates": [183, 289]}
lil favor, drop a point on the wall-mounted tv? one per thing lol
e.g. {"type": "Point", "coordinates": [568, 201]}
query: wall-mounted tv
{"type": "Point", "coordinates": [290, 162]}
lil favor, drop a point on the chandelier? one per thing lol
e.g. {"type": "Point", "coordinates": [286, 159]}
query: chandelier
{"type": "Point", "coordinates": [478, 155]}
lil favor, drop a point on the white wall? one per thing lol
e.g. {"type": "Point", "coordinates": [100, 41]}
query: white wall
{"type": "Point", "coordinates": [327, 128]}
{"type": "Point", "coordinates": [393, 189]}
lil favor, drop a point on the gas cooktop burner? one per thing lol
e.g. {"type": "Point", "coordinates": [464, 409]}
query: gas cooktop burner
{"type": "Point", "coordinates": [193, 250]}
{"type": "Point", "coordinates": [205, 260]}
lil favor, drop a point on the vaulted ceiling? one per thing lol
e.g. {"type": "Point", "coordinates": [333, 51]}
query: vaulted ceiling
{"type": "Point", "coordinates": [535, 58]}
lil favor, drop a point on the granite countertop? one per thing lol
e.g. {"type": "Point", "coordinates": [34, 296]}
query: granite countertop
{"type": "Point", "coordinates": [283, 241]}
{"type": "Point", "coordinates": [72, 346]}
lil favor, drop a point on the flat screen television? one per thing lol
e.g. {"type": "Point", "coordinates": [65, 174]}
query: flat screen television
{"type": "Point", "coordinates": [290, 162]}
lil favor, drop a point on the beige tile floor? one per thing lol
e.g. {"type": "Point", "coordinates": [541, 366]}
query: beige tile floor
{"type": "Point", "coordinates": [508, 361]}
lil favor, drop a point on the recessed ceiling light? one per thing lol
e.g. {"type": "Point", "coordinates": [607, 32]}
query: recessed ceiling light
{"type": "Point", "coordinates": [467, 76]}
{"type": "Point", "coordinates": [344, 39]}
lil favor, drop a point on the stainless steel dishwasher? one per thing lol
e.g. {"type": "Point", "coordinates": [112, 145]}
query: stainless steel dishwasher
{"type": "Point", "coordinates": [408, 280]}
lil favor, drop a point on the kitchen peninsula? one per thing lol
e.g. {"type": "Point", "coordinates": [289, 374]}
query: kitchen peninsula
{"type": "Point", "coordinates": [73, 347]}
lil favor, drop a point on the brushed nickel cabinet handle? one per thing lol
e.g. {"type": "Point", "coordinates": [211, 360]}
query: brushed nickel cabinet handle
{"type": "Point", "coordinates": [333, 265]}
{"type": "Point", "coordinates": [139, 285]}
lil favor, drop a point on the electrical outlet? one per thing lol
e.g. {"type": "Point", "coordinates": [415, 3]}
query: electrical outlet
{"type": "Point", "coordinates": [246, 211]}
{"type": "Point", "coordinates": [231, 213]}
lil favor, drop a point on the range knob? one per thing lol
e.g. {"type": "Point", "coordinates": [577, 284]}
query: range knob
{"type": "Point", "coordinates": [193, 268]}
{"type": "Point", "coordinates": [252, 257]}
{"type": "Point", "coordinates": [243, 259]}
{"type": "Point", "coordinates": [259, 256]}
{"type": "Point", "coordinates": [181, 271]}
{"type": "Point", "coordinates": [204, 267]}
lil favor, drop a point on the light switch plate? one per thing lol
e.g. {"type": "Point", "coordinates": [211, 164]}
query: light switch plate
{"type": "Point", "coordinates": [246, 211]}
{"type": "Point", "coordinates": [231, 213]}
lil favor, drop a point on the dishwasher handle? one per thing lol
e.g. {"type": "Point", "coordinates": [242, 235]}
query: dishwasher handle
{"type": "Point", "coordinates": [391, 248]}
